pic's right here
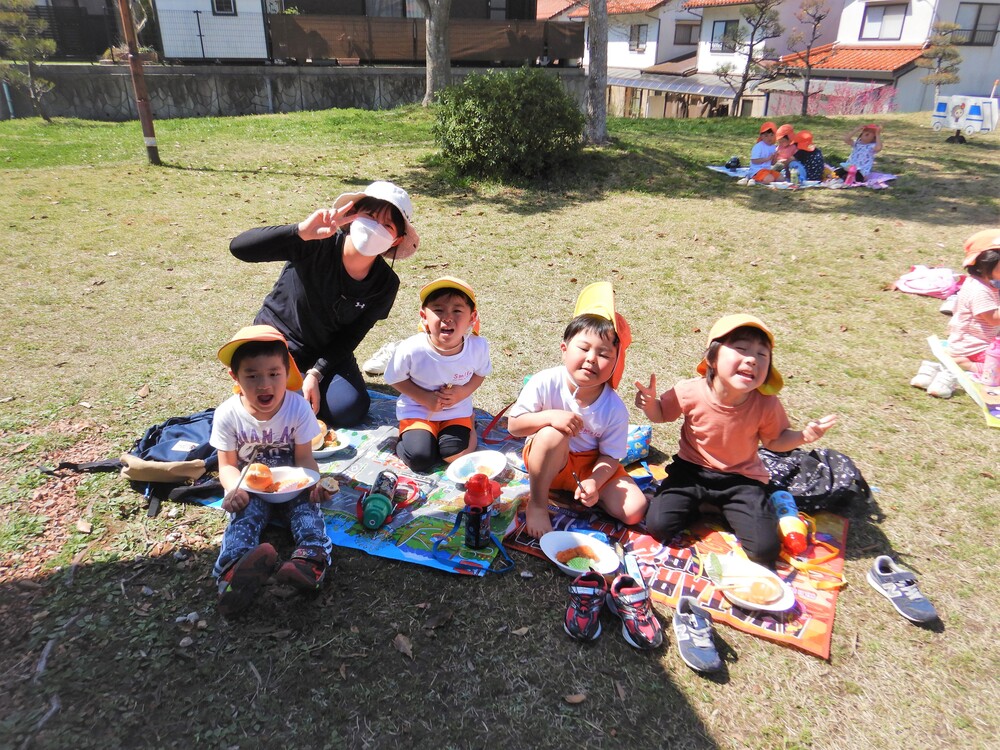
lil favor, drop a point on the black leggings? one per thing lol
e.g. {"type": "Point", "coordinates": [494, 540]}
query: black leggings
{"type": "Point", "coordinates": [842, 174]}
{"type": "Point", "coordinates": [743, 502]}
{"type": "Point", "coordinates": [421, 451]}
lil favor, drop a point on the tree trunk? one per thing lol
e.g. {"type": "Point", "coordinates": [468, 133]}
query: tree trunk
{"type": "Point", "coordinates": [597, 76]}
{"type": "Point", "coordinates": [805, 92]}
{"type": "Point", "coordinates": [36, 97]}
{"type": "Point", "coordinates": [438, 62]}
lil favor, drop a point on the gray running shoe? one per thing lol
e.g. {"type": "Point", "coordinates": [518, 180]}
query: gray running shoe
{"type": "Point", "coordinates": [899, 586]}
{"type": "Point", "coordinates": [693, 630]}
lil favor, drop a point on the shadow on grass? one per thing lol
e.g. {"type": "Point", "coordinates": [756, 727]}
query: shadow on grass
{"type": "Point", "coordinates": [106, 655]}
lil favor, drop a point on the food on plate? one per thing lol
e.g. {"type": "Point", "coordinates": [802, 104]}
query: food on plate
{"type": "Point", "coordinates": [259, 477]}
{"type": "Point", "coordinates": [756, 590]}
{"type": "Point", "coordinates": [320, 440]}
{"type": "Point", "coordinates": [575, 555]}
{"type": "Point", "coordinates": [287, 485]}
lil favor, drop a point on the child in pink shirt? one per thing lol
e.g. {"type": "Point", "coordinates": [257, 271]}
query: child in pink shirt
{"type": "Point", "coordinates": [727, 414]}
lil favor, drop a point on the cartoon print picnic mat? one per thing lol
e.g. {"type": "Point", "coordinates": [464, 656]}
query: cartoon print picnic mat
{"type": "Point", "coordinates": [671, 571]}
{"type": "Point", "coordinates": [987, 397]}
{"type": "Point", "coordinates": [410, 535]}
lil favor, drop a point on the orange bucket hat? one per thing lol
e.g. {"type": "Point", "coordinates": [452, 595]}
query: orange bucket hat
{"type": "Point", "coordinates": [599, 299]}
{"type": "Point", "coordinates": [979, 243]}
{"type": "Point", "coordinates": [774, 382]}
{"type": "Point", "coordinates": [261, 333]}
{"type": "Point", "coordinates": [786, 129]}
{"type": "Point", "coordinates": [765, 127]}
{"type": "Point", "coordinates": [804, 140]}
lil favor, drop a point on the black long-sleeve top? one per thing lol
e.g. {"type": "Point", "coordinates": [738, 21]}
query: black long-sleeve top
{"type": "Point", "coordinates": [322, 312]}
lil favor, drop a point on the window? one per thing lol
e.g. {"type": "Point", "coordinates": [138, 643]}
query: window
{"type": "Point", "coordinates": [637, 37]}
{"type": "Point", "coordinates": [384, 8]}
{"type": "Point", "coordinates": [723, 33]}
{"type": "Point", "coordinates": [498, 10]}
{"type": "Point", "coordinates": [977, 23]}
{"type": "Point", "coordinates": [223, 7]}
{"type": "Point", "coordinates": [884, 22]}
{"type": "Point", "coordinates": [687, 33]}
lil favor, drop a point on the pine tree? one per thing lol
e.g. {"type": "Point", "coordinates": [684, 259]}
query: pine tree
{"type": "Point", "coordinates": [941, 56]}
{"type": "Point", "coordinates": [23, 43]}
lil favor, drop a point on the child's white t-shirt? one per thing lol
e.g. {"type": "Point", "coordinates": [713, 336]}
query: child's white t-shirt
{"type": "Point", "coordinates": [233, 429]}
{"type": "Point", "coordinates": [605, 422]}
{"type": "Point", "coordinates": [416, 360]}
{"type": "Point", "coordinates": [764, 151]}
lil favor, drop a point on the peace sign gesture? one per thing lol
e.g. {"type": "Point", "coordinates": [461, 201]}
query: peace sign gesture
{"type": "Point", "coordinates": [646, 399]}
{"type": "Point", "coordinates": [324, 223]}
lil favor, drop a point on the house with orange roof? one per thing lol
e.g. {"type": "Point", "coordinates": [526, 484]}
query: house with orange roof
{"type": "Point", "coordinates": [878, 42]}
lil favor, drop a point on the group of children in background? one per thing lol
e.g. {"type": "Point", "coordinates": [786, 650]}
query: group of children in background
{"type": "Point", "coordinates": [781, 154]}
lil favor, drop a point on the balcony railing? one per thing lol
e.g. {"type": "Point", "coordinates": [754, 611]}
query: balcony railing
{"type": "Point", "coordinates": [974, 37]}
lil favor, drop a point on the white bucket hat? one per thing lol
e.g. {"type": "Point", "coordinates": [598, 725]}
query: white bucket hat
{"type": "Point", "coordinates": [394, 194]}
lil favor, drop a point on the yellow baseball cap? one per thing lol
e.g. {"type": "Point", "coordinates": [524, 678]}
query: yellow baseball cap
{"type": "Point", "coordinates": [730, 323]}
{"type": "Point", "coordinates": [447, 282]}
{"type": "Point", "coordinates": [599, 299]}
{"type": "Point", "coordinates": [261, 333]}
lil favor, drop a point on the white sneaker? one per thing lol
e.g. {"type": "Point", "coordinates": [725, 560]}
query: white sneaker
{"type": "Point", "coordinates": [925, 375]}
{"type": "Point", "coordinates": [948, 306]}
{"type": "Point", "coordinates": [380, 359]}
{"type": "Point", "coordinates": [943, 385]}
{"type": "Point", "coordinates": [836, 183]}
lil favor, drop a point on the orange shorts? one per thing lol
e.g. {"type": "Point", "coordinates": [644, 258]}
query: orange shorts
{"type": "Point", "coordinates": [582, 463]}
{"type": "Point", "coordinates": [433, 427]}
{"type": "Point", "coordinates": [760, 174]}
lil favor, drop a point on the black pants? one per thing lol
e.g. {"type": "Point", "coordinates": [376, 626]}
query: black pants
{"type": "Point", "coordinates": [842, 174]}
{"type": "Point", "coordinates": [421, 451]}
{"type": "Point", "coordinates": [743, 501]}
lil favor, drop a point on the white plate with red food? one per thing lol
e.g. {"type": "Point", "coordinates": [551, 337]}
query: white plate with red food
{"type": "Point", "coordinates": [749, 585]}
{"type": "Point", "coordinates": [574, 553]}
{"type": "Point", "coordinates": [279, 484]}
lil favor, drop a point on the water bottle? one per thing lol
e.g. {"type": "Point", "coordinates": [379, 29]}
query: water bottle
{"type": "Point", "coordinates": [793, 531]}
{"type": "Point", "coordinates": [480, 492]}
{"type": "Point", "coordinates": [794, 176]}
{"type": "Point", "coordinates": [991, 365]}
{"type": "Point", "coordinates": [377, 504]}
{"type": "Point", "coordinates": [852, 172]}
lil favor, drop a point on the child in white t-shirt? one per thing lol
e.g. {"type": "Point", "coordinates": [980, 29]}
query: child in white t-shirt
{"type": "Point", "coordinates": [436, 372]}
{"type": "Point", "coordinates": [575, 422]}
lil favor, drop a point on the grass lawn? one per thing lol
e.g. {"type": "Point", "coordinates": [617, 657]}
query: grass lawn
{"type": "Point", "coordinates": [119, 288]}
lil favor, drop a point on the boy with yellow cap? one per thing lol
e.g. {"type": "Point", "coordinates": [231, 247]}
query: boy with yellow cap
{"type": "Point", "coordinates": [265, 422]}
{"type": "Point", "coordinates": [575, 422]}
{"type": "Point", "coordinates": [436, 372]}
{"type": "Point", "coordinates": [728, 413]}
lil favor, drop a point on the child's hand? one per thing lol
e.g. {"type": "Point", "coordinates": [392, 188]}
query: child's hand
{"type": "Point", "coordinates": [815, 429]}
{"type": "Point", "coordinates": [449, 396]}
{"type": "Point", "coordinates": [567, 422]}
{"type": "Point", "coordinates": [237, 501]}
{"type": "Point", "coordinates": [586, 493]}
{"type": "Point", "coordinates": [645, 394]}
{"type": "Point", "coordinates": [319, 493]}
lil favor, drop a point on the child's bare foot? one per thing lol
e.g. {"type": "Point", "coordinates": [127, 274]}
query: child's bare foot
{"type": "Point", "coordinates": [536, 519]}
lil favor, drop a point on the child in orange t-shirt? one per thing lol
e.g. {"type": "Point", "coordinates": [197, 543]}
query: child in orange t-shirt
{"type": "Point", "coordinates": [727, 414]}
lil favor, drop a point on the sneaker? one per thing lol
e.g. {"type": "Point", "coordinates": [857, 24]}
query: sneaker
{"type": "Point", "coordinates": [926, 374]}
{"type": "Point", "coordinates": [943, 385]}
{"type": "Point", "coordinates": [630, 601]}
{"type": "Point", "coordinates": [693, 630]}
{"type": "Point", "coordinates": [586, 597]}
{"type": "Point", "coordinates": [305, 570]}
{"type": "Point", "coordinates": [900, 587]}
{"type": "Point", "coordinates": [380, 359]}
{"type": "Point", "coordinates": [836, 183]}
{"type": "Point", "coordinates": [240, 583]}
{"type": "Point", "coordinates": [948, 306]}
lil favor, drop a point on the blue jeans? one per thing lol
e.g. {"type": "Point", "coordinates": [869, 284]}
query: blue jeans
{"type": "Point", "coordinates": [245, 527]}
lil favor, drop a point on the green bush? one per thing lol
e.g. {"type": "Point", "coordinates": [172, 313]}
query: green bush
{"type": "Point", "coordinates": [508, 124]}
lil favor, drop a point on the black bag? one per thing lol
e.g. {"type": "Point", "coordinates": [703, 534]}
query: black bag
{"type": "Point", "coordinates": [819, 479]}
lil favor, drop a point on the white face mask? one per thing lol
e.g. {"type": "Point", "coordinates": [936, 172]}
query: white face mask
{"type": "Point", "coordinates": [369, 237]}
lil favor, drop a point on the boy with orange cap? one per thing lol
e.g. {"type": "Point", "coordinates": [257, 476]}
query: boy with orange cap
{"type": "Point", "coordinates": [575, 422]}
{"type": "Point", "coordinates": [728, 413]}
{"type": "Point", "coordinates": [763, 155]}
{"type": "Point", "coordinates": [810, 156]}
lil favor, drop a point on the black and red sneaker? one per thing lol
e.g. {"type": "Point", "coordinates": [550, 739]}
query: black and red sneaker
{"type": "Point", "coordinates": [240, 583]}
{"type": "Point", "coordinates": [305, 570]}
{"type": "Point", "coordinates": [586, 598]}
{"type": "Point", "coordinates": [629, 599]}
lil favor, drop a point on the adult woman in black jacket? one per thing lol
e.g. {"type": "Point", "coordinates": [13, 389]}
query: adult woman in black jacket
{"type": "Point", "coordinates": [335, 285]}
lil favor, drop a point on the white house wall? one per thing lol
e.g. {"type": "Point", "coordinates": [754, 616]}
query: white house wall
{"type": "Point", "coordinates": [669, 18]}
{"type": "Point", "coordinates": [225, 37]}
{"type": "Point", "coordinates": [916, 23]}
{"type": "Point", "coordinates": [619, 54]}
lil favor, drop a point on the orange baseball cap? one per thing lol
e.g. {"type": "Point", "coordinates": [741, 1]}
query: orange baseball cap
{"type": "Point", "coordinates": [804, 140]}
{"type": "Point", "coordinates": [785, 129]}
{"type": "Point", "coordinates": [599, 299]}
{"type": "Point", "coordinates": [774, 382]}
{"type": "Point", "coordinates": [767, 126]}
{"type": "Point", "coordinates": [979, 243]}
{"type": "Point", "coordinates": [261, 333]}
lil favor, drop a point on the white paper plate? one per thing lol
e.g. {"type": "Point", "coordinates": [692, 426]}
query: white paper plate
{"type": "Point", "coordinates": [490, 463]}
{"type": "Point", "coordinates": [737, 569]}
{"type": "Point", "coordinates": [280, 474]}
{"type": "Point", "coordinates": [327, 452]}
{"type": "Point", "coordinates": [556, 541]}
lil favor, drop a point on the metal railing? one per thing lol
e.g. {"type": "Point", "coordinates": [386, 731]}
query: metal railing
{"type": "Point", "coordinates": [974, 37]}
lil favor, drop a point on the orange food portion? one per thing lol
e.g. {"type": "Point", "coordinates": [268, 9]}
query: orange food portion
{"type": "Point", "coordinates": [564, 556]}
{"type": "Point", "coordinates": [759, 591]}
{"type": "Point", "coordinates": [259, 477]}
{"type": "Point", "coordinates": [287, 485]}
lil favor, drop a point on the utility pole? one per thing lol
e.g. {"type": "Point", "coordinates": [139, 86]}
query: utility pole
{"type": "Point", "coordinates": [139, 83]}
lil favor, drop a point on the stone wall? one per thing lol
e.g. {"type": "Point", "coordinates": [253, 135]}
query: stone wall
{"type": "Point", "coordinates": [104, 92]}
